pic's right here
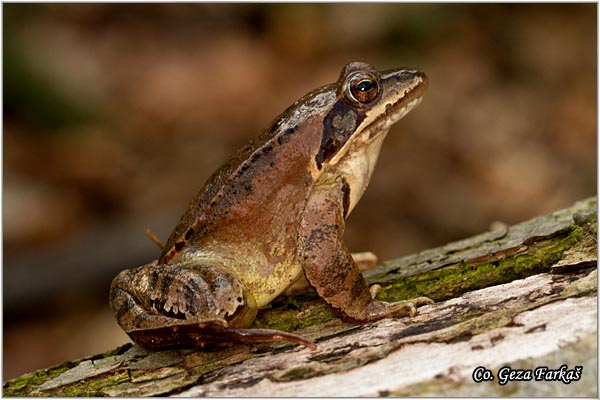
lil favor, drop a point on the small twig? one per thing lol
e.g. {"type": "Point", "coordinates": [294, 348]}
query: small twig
{"type": "Point", "coordinates": [155, 239]}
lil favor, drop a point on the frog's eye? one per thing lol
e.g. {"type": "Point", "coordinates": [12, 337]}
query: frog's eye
{"type": "Point", "coordinates": [362, 88]}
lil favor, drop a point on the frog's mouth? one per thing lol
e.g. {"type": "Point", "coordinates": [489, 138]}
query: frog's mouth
{"type": "Point", "coordinates": [400, 113]}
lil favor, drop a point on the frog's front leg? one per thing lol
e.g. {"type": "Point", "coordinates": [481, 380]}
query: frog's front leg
{"type": "Point", "coordinates": [329, 267]}
{"type": "Point", "coordinates": [165, 306]}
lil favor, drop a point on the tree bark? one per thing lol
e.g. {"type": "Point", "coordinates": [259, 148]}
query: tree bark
{"type": "Point", "coordinates": [516, 304]}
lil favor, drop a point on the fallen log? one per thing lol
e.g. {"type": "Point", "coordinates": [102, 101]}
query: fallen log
{"type": "Point", "coordinates": [515, 315]}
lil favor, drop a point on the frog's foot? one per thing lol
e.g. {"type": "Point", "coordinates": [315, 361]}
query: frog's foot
{"type": "Point", "coordinates": [365, 260]}
{"type": "Point", "coordinates": [381, 309]}
{"type": "Point", "coordinates": [210, 334]}
{"type": "Point", "coordinates": [400, 307]}
{"type": "Point", "coordinates": [268, 335]}
{"type": "Point", "coordinates": [375, 289]}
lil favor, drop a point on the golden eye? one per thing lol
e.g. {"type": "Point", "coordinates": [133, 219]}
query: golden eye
{"type": "Point", "coordinates": [362, 88]}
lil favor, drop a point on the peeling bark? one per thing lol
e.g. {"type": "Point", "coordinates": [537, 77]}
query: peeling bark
{"type": "Point", "coordinates": [523, 296]}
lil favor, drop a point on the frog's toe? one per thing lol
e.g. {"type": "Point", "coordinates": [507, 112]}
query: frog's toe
{"type": "Point", "coordinates": [410, 306]}
{"type": "Point", "coordinates": [375, 289]}
{"type": "Point", "coordinates": [269, 335]}
{"type": "Point", "coordinates": [422, 301]}
{"type": "Point", "coordinates": [365, 260]}
{"type": "Point", "coordinates": [210, 334]}
{"type": "Point", "coordinates": [419, 301]}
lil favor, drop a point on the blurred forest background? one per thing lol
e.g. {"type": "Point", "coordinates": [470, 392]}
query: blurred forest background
{"type": "Point", "coordinates": [115, 115]}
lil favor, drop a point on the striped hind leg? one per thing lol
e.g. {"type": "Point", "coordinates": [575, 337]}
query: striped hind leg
{"type": "Point", "coordinates": [163, 306]}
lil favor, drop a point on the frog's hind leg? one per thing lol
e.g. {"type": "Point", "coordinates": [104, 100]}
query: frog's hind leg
{"type": "Point", "coordinates": [162, 306]}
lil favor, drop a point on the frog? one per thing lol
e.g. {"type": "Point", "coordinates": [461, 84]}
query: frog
{"type": "Point", "coordinates": [273, 213]}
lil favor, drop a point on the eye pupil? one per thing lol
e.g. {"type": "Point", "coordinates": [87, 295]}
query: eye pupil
{"type": "Point", "coordinates": [362, 89]}
{"type": "Point", "coordinates": [364, 85]}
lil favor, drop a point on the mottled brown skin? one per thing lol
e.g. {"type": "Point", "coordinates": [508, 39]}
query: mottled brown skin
{"type": "Point", "coordinates": [273, 212]}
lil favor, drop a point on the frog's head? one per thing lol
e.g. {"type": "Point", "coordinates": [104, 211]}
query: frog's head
{"type": "Point", "coordinates": [366, 105]}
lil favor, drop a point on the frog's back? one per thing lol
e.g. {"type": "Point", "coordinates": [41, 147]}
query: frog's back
{"type": "Point", "coordinates": [210, 193]}
{"type": "Point", "coordinates": [262, 186]}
